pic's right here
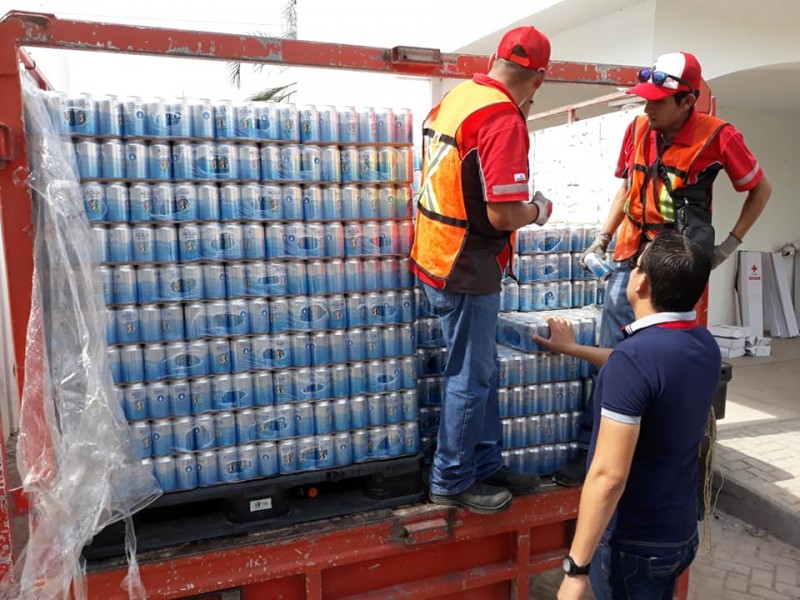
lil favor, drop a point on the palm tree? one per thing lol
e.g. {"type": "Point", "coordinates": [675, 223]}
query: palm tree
{"type": "Point", "coordinates": [274, 94]}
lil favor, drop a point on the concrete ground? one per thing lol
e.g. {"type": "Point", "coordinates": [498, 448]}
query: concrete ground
{"type": "Point", "coordinates": [755, 532]}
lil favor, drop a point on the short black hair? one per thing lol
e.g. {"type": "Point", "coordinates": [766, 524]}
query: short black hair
{"type": "Point", "coordinates": [678, 269]}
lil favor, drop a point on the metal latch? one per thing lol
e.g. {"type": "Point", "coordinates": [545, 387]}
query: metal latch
{"type": "Point", "coordinates": [424, 532]}
{"type": "Point", "coordinates": [418, 56]}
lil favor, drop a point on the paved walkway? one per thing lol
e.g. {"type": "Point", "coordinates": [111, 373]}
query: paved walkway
{"type": "Point", "coordinates": [758, 448]}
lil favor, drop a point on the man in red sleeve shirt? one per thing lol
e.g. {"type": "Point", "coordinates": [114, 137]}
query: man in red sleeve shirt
{"type": "Point", "coordinates": [474, 195]}
{"type": "Point", "coordinates": [668, 163]}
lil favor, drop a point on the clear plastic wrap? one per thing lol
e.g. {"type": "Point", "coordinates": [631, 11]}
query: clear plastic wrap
{"type": "Point", "coordinates": [75, 451]}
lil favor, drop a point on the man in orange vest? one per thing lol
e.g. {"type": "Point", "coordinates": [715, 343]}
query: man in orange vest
{"type": "Point", "coordinates": [670, 157]}
{"type": "Point", "coordinates": [473, 197]}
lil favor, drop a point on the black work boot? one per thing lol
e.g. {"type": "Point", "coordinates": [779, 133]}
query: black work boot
{"type": "Point", "coordinates": [480, 498]}
{"type": "Point", "coordinates": [573, 473]}
{"type": "Point", "coordinates": [519, 484]}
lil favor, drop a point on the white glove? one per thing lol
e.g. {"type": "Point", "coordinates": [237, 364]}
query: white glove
{"type": "Point", "coordinates": [724, 250]}
{"type": "Point", "coordinates": [599, 247]}
{"type": "Point", "coordinates": [545, 207]}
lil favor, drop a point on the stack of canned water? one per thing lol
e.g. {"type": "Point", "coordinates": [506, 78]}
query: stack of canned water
{"type": "Point", "coordinates": [540, 395]}
{"type": "Point", "coordinates": [548, 274]}
{"type": "Point", "coordinates": [260, 310]}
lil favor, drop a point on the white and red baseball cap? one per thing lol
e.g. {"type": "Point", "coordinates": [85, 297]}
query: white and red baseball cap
{"type": "Point", "coordinates": [672, 73]}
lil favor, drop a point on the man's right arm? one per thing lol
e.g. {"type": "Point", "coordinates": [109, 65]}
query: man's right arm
{"type": "Point", "coordinates": [510, 216]}
{"type": "Point", "coordinates": [617, 211]}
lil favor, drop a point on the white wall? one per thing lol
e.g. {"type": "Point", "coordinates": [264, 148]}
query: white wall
{"type": "Point", "coordinates": [773, 140]}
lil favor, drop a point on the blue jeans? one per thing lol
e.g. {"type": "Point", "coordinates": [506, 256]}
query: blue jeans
{"type": "Point", "coordinates": [623, 570]}
{"type": "Point", "coordinates": [468, 442]}
{"type": "Point", "coordinates": [617, 312]}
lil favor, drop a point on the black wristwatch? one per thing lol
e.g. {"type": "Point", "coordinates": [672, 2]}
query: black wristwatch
{"type": "Point", "coordinates": [571, 568]}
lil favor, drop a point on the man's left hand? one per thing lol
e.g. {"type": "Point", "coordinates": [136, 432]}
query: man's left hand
{"type": "Point", "coordinates": [573, 587]}
{"type": "Point", "coordinates": [724, 250]}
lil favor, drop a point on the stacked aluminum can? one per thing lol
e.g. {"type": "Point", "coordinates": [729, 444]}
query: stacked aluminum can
{"type": "Point", "coordinates": [261, 311]}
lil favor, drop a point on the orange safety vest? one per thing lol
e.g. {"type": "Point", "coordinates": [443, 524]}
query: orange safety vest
{"type": "Point", "coordinates": [650, 205]}
{"type": "Point", "coordinates": [442, 226]}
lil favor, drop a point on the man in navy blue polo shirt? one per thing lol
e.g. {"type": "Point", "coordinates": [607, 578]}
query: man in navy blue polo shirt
{"type": "Point", "coordinates": [637, 523]}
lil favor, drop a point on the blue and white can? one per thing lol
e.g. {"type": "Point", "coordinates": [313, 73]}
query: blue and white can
{"type": "Point", "coordinates": [334, 240]}
{"type": "Point", "coordinates": [368, 164]}
{"type": "Point", "coordinates": [304, 418]}
{"type": "Point", "coordinates": [205, 161]}
{"type": "Point", "coordinates": [312, 203]}
{"type": "Point", "coordinates": [348, 124]}
{"type": "Point", "coordinates": [159, 161]}
{"type": "Point", "coordinates": [288, 122]}
{"type": "Point", "coordinates": [404, 126]}
{"type": "Point", "coordinates": [141, 202]}
{"type": "Point", "coordinates": [214, 280]}
{"type": "Point", "coordinates": [330, 165]}
{"type": "Point", "coordinates": [201, 115]}
{"type": "Point", "coordinates": [266, 116]}
{"type": "Point", "coordinates": [87, 153]}
{"type": "Point", "coordinates": [207, 202]}
{"type": "Point", "coordinates": [267, 459]}
{"type": "Point", "coordinates": [157, 399]}
{"type": "Point", "coordinates": [162, 207]}
{"type": "Point", "coordinates": [123, 284]}
{"type": "Point", "coordinates": [349, 166]}
{"type": "Point", "coordinates": [109, 116]}
{"type": "Point", "coordinates": [309, 123]}
{"type": "Point", "coordinates": [224, 120]}
{"type": "Point", "coordinates": [387, 166]}
{"type": "Point", "coordinates": [165, 246]}
{"type": "Point", "coordinates": [367, 125]}
{"type": "Point", "coordinates": [164, 471]}
{"type": "Point", "coordinates": [135, 403]}
{"type": "Point", "coordinates": [328, 124]}
{"type": "Point", "coordinates": [287, 456]}
{"type": "Point", "coordinates": [229, 465]}
{"type": "Point", "coordinates": [246, 125]}
{"type": "Point", "coordinates": [249, 161]}
{"type": "Point", "coordinates": [134, 117]}
{"type": "Point", "coordinates": [112, 159]}
{"type": "Point", "coordinates": [117, 202]}
{"type": "Point", "coordinates": [161, 433]}
{"type": "Point", "coordinates": [335, 276]}
{"type": "Point", "coordinates": [230, 201]}
{"type": "Point", "coordinates": [310, 163]}
{"type": "Point", "coordinates": [246, 426]}
{"type": "Point", "coordinates": [384, 125]}
{"type": "Point", "coordinates": [201, 396]}
{"type": "Point", "coordinates": [270, 163]}
{"type": "Point", "coordinates": [185, 202]}
{"type": "Point", "coordinates": [207, 468]}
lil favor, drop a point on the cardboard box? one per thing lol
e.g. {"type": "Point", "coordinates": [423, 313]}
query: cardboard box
{"type": "Point", "coordinates": [732, 343]}
{"type": "Point", "coordinates": [729, 331]}
{"type": "Point", "coordinates": [732, 352]}
{"type": "Point", "coordinates": [749, 286]}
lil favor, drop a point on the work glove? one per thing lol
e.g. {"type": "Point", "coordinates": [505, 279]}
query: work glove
{"type": "Point", "coordinates": [599, 247]}
{"type": "Point", "coordinates": [545, 207]}
{"type": "Point", "coordinates": [724, 250]}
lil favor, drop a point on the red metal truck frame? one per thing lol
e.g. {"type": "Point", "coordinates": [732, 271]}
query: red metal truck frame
{"type": "Point", "coordinates": [422, 551]}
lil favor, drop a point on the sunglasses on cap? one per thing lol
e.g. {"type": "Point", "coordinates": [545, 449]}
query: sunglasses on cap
{"type": "Point", "coordinates": [659, 78]}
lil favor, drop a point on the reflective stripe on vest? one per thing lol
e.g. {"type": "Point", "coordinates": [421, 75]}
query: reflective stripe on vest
{"type": "Point", "coordinates": [649, 207]}
{"type": "Point", "coordinates": [442, 224]}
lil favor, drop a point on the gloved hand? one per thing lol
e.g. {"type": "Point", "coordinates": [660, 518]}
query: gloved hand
{"type": "Point", "coordinates": [599, 247]}
{"type": "Point", "coordinates": [545, 207]}
{"type": "Point", "coordinates": [724, 250]}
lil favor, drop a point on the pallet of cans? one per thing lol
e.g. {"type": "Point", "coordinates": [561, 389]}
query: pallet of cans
{"type": "Point", "coordinates": [261, 317]}
{"type": "Point", "coordinates": [264, 503]}
{"type": "Point", "coordinates": [547, 273]}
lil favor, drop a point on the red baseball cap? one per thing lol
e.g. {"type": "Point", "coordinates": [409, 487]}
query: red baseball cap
{"type": "Point", "coordinates": [526, 46]}
{"type": "Point", "coordinates": [672, 73]}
